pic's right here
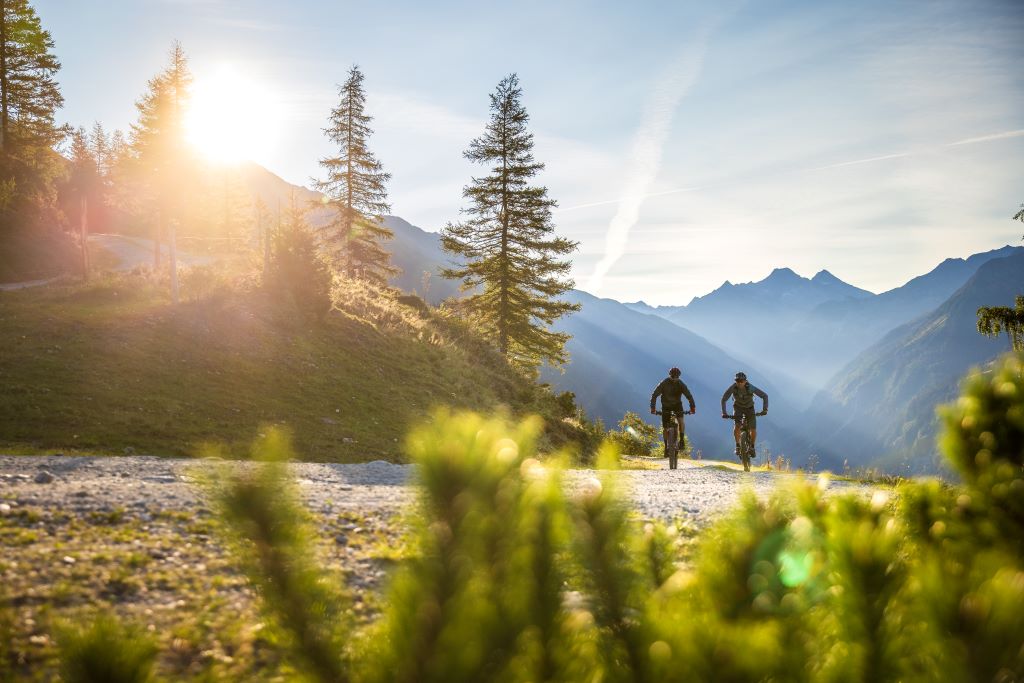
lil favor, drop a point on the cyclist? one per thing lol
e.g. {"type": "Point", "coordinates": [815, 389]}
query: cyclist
{"type": "Point", "coordinates": [672, 389]}
{"type": "Point", "coordinates": [743, 393]}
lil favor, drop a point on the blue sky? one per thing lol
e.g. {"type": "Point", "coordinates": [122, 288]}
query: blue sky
{"type": "Point", "coordinates": [686, 143]}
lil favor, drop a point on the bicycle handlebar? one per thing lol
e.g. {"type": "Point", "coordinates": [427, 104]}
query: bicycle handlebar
{"type": "Point", "coordinates": [685, 412]}
{"type": "Point", "coordinates": [733, 417]}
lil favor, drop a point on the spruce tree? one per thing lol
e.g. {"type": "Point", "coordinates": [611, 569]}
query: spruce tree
{"type": "Point", "coordinates": [510, 256]}
{"type": "Point", "coordinates": [29, 97]}
{"type": "Point", "coordinates": [298, 273]}
{"type": "Point", "coordinates": [356, 188]}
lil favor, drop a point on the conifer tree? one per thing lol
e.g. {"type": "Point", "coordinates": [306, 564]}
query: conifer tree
{"type": "Point", "coordinates": [510, 256]}
{"type": "Point", "coordinates": [355, 188]}
{"type": "Point", "coordinates": [29, 97]}
{"type": "Point", "coordinates": [298, 272]}
{"type": "Point", "coordinates": [85, 185]}
{"type": "Point", "coordinates": [993, 320]}
{"type": "Point", "coordinates": [158, 149]}
{"type": "Point", "coordinates": [99, 143]}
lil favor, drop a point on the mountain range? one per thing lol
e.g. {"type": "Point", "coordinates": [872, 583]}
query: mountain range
{"type": "Point", "coordinates": [808, 329]}
{"type": "Point", "coordinates": [884, 402]}
{"type": "Point", "coordinates": [853, 376]}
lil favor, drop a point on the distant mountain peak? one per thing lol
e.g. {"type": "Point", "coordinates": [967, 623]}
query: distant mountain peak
{"type": "Point", "coordinates": [824, 276]}
{"type": "Point", "coordinates": [785, 275]}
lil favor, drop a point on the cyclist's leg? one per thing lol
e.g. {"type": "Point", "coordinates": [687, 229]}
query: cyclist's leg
{"type": "Point", "coordinates": [682, 429]}
{"type": "Point", "coordinates": [666, 422]}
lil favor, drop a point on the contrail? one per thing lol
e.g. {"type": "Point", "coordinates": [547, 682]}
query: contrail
{"type": "Point", "coordinates": [645, 158]}
{"type": "Point", "coordinates": [986, 138]}
{"type": "Point", "coordinates": [899, 155]}
{"type": "Point", "coordinates": [855, 162]}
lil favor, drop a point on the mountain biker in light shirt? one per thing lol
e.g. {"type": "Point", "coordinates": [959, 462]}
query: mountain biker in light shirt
{"type": "Point", "coordinates": [672, 389]}
{"type": "Point", "coordinates": [742, 393]}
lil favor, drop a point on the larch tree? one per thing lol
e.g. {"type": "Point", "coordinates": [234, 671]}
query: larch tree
{"type": "Point", "coordinates": [510, 258]}
{"type": "Point", "coordinates": [994, 320]}
{"type": "Point", "coordinates": [29, 98]}
{"type": "Point", "coordinates": [159, 151]}
{"type": "Point", "coordinates": [355, 187]}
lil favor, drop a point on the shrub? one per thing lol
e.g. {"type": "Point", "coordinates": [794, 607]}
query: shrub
{"type": "Point", "coordinates": [298, 274]}
{"type": "Point", "coordinates": [636, 436]}
{"type": "Point", "coordinates": [105, 650]}
{"type": "Point", "coordinates": [516, 580]}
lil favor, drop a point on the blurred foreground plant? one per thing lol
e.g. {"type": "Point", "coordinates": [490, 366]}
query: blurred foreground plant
{"type": "Point", "coordinates": [106, 650]}
{"type": "Point", "coordinates": [521, 576]}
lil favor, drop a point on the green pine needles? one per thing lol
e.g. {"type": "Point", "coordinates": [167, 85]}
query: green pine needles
{"type": "Point", "coordinates": [524, 572]}
{"type": "Point", "coordinates": [993, 320]}
{"type": "Point", "coordinates": [29, 100]}
{"type": "Point", "coordinates": [355, 187]}
{"type": "Point", "coordinates": [510, 258]}
{"type": "Point", "coordinates": [297, 273]}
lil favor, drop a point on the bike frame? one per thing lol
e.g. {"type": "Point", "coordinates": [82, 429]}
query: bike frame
{"type": "Point", "coordinates": [671, 449]}
{"type": "Point", "coordinates": [746, 443]}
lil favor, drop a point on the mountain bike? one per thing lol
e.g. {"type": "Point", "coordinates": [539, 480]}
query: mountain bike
{"type": "Point", "coordinates": [672, 444]}
{"type": "Point", "coordinates": [746, 443]}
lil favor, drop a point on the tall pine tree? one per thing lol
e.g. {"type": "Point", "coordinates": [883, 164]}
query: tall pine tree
{"type": "Point", "coordinates": [29, 97]}
{"type": "Point", "coordinates": [159, 153]}
{"type": "Point", "coordinates": [511, 258]}
{"type": "Point", "coordinates": [355, 187]}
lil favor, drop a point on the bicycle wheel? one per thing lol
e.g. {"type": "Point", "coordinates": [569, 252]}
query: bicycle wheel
{"type": "Point", "coordinates": [745, 449]}
{"type": "Point", "coordinates": [670, 448]}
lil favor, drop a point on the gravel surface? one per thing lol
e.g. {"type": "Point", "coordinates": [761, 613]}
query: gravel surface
{"type": "Point", "coordinates": [82, 484]}
{"type": "Point", "coordinates": [135, 535]}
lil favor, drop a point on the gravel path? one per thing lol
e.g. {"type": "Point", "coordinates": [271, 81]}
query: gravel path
{"type": "Point", "coordinates": [134, 534]}
{"type": "Point", "coordinates": [83, 484]}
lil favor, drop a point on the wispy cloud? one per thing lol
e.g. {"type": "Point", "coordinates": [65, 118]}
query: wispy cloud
{"type": "Point", "coordinates": [645, 159]}
{"type": "Point", "coordinates": [856, 162]}
{"type": "Point", "coordinates": [989, 138]}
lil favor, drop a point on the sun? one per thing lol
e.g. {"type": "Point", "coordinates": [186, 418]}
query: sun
{"type": "Point", "coordinates": [231, 117]}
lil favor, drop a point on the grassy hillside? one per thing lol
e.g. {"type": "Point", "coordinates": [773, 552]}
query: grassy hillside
{"type": "Point", "coordinates": [112, 365]}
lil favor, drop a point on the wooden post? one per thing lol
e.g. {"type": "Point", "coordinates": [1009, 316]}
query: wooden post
{"type": "Point", "coordinates": [174, 263]}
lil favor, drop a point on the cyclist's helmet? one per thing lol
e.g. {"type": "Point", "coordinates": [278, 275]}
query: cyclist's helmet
{"type": "Point", "coordinates": [741, 375]}
{"type": "Point", "coordinates": [674, 372]}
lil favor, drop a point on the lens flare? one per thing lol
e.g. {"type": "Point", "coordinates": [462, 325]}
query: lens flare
{"type": "Point", "coordinates": [232, 117]}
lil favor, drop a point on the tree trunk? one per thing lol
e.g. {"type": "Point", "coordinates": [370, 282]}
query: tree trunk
{"type": "Point", "coordinates": [4, 112]}
{"type": "Point", "coordinates": [158, 233]}
{"type": "Point", "coordinates": [84, 231]}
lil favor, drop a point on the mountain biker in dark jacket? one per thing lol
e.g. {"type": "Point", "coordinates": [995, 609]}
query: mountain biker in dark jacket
{"type": "Point", "coordinates": [743, 393]}
{"type": "Point", "coordinates": [672, 389]}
